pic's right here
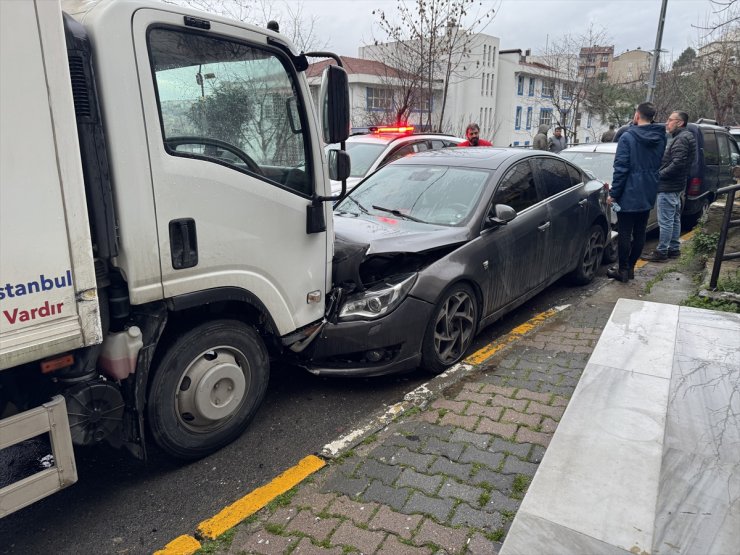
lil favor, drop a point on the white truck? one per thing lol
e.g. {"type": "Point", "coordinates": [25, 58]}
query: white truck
{"type": "Point", "coordinates": [165, 227]}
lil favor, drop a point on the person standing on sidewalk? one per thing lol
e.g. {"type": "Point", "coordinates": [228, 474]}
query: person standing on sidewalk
{"type": "Point", "coordinates": [472, 133]}
{"type": "Point", "coordinates": [674, 172]}
{"type": "Point", "coordinates": [608, 136]}
{"type": "Point", "coordinates": [558, 141]}
{"type": "Point", "coordinates": [635, 186]}
{"type": "Point", "coordinates": [540, 139]}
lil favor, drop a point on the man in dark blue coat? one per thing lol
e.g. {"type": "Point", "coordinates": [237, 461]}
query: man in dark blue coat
{"type": "Point", "coordinates": [635, 186]}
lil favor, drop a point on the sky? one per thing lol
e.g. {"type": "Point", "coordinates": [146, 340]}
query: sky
{"type": "Point", "coordinates": [348, 24]}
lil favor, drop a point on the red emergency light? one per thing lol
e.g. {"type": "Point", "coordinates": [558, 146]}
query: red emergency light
{"type": "Point", "coordinates": [405, 129]}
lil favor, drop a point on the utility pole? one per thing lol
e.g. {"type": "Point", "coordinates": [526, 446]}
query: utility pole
{"type": "Point", "coordinates": [655, 64]}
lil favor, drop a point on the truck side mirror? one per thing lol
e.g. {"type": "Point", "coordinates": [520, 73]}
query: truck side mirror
{"type": "Point", "coordinates": [339, 165]}
{"type": "Point", "coordinates": [335, 104]}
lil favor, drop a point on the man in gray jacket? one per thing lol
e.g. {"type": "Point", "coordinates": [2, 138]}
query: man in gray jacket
{"type": "Point", "coordinates": [674, 172]}
{"type": "Point", "coordinates": [558, 141]}
{"type": "Point", "coordinates": [540, 139]}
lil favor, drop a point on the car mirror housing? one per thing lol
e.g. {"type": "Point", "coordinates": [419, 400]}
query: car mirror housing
{"type": "Point", "coordinates": [501, 214]}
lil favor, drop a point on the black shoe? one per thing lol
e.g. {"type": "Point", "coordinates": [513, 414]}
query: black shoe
{"type": "Point", "coordinates": [674, 254]}
{"type": "Point", "coordinates": [618, 274]}
{"type": "Point", "coordinates": [655, 256]}
{"type": "Point", "coordinates": [631, 273]}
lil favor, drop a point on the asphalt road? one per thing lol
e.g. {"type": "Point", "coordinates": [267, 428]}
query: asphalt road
{"type": "Point", "coordinates": [120, 505]}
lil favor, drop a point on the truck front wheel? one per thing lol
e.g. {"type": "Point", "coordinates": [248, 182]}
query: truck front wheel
{"type": "Point", "coordinates": [206, 388]}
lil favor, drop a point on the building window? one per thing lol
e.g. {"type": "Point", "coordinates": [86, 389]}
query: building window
{"type": "Point", "coordinates": [531, 86]}
{"type": "Point", "coordinates": [588, 120]}
{"type": "Point", "coordinates": [379, 99]}
{"type": "Point", "coordinates": [567, 90]}
{"type": "Point", "coordinates": [484, 54]}
{"type": "Point", "coordinates": [588, 139]}
{"type": "Point", "coordinates": [602, 70]}
{"type": "Point", "coordinates": [526, 143]}
{"type": "Point", "coordinates": [546, 116]}
{"type": "Point", "coordinates": [516, 143]}
{"type": "Point", "coordinates": [482, 83]}
{"type": "Point", "coordinates": [548, 87]}
{"type": "Point", "coordinates": [518, 118]}
{"type": "Point", "coordinates": [520, 85]}
{"type": "Point", "coordinates": [605, 58]}
{"type": "Point", "coordinates": [493, 56]}
{"type": "Point", "coordinates": [529, 118]}
{"type": "Point", "coordinates": [590, 70]}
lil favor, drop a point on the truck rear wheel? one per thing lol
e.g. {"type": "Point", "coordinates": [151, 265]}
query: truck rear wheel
{"type": "Point", "coordinates": [206, 388]}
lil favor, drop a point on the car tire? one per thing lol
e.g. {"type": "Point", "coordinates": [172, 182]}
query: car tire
{"type": "Point", "coordinates": [590, 256]}
{"type": "Point", "coordinates": [689, 221]}
{"type": "Point", "coordinates": [611, 252]}
{"type": "Point", "coordinates": [206, 387]}
{"type": "Point", "coordinates": [451, 329]}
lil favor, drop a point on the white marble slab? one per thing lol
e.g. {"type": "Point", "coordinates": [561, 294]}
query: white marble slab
{"type": "Point", "coordinates": [711, 319]}
{"type": "Point", "coordinates": [711, 344]}
{"type": "Point", "coordinates": [639, 337]}
{"type": "Point", "coordinates": [600, 474]}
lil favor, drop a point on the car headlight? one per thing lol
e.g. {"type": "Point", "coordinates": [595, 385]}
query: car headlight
{"type": "Point", "coordinates": [379, 300]}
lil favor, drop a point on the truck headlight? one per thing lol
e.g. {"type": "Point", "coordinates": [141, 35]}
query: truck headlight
{"type": "Point", "coordinates": [379, 300]}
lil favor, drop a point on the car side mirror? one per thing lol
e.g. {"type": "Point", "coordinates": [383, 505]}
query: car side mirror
{"type": "Point", "coordinates": [501, 214]}
{"type": "Point", "coordinates": [339, 165]}
{"type": "Point", "coordinates": [734, 158]}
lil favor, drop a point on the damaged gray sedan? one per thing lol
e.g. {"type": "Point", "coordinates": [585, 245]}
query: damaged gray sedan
{"type": "Point", "coordinates": [434, 247]}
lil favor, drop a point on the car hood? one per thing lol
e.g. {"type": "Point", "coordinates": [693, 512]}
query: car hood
{"type": "Point", "coordinates": [336, 186]}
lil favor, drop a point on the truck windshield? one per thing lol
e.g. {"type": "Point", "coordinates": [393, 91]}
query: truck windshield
{"type": "Point", "coordinates": [231, 103]}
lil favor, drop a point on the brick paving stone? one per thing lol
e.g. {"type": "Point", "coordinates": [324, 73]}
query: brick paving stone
{"type": "Point", "coordinates": [261, 542]}
{"type": "Point", "coordinates": [386, 473]}
{"type": "Point", "coordinates": [416, 480]}
{"type": "Point", "coordinates": [305, 547]}
{"type": "Point", "coordinates": [394, 497]}
{"type": "Point", "coordinates": [468, 516]}
{"type": "Point", "coordinates": [396, 523]}
{"type": "Point", "coordinates": [384, 453]}
{"type": "Point", "coordinates": [532, 343]}
{"type": "Point", "coordinates": [488, 426]}
{"type": "Point", "coordinates": [543, 398]}
{"type": "Point", "coordinates": [502, 482]}
{"type": "Point", "coordinates": [450, 539]}
{"type": "Point", "coordinates": [450, 468]}
{"type": "Point", "coordinates": [558, 348]}
{"type": "Point", "coordinates": [452, 419]}
{"type": "Point", "coordinates": [441, 432]}
{"type": "Point", "coordinates": [394, 547]}
{"type": "Point", "coordinates": [358, 512]}
{"type": "Point", "coordinates": [309, 496]}
{"type": "Point", "coordinates": [431, 416]}
{"type": "Point", "coordinates": [509, 362]}
{"type": "Point", "coordinates": [536, 455]}
{"type": "Point", "coordinates": [436, 446]}
{"type": "Point", "coordinates": [432, 506]}
{"type": "Point", "coordinates": [494, 413]}
{"type": "Point", "coordinates": [454, 406]}
{"type": "Point", "coordinates": [464, 436]}
{"type": "Point", "coordinates": [538, 408]}
{"type": "Point", "coordinates": [307, 523]}
{"type": "Point", "coordinates": [411, 442]}
{"type": "Point", "coordinates": [480, 545]}
{"type": "Point", "coordinates": [419, 461]}
{"type": "Point", "coordinates": [475, 387]}
{"type": "Point", "coordinates": [282, 516]}
{"type": "Point", "coordinates": [531, 420]}
{"type": "Point", "coordinates": [475, 455]}
{"type": "Point", "coordinates": [500, 502]}
{"type": "Point", "coordinates": [339, 483]}
{"type": "Point", "coordinates": [499, 445]}
{"type": "Point", "coordinates": [544, 378]}
{"type": "Point", "coordinates": [559, 401]}
{"type": "Point", "coordinates": [366, 541]}
{"type": "Point", "coordinates": [479, 398]}
{"type": "Point", "coordinates": [513, 465]}
{"type": "Point", "coordinates": [529, 365]}
{"type": "Point", "coordinates": [564, 391]}
{"type": "Point", "coordinates": [549, 425]}
{"type": "Point", "coordinates": [464, 492]}
{"type": "Point", "coordinates": [348, 466]}
{"type": "Point", "coordinates": [501, 401]}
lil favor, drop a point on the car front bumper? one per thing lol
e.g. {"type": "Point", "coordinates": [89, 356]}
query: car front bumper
{"type": "Point", "coordinates": [387, 345]}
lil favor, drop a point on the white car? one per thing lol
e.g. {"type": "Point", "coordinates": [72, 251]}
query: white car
{"type": "Point", "coordinates": [370, 151]}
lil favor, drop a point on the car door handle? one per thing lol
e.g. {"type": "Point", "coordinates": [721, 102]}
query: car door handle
{"type": "Point", "coordinates": [583, 203]}
{"type": "Point", "coordinates": [544, 226]}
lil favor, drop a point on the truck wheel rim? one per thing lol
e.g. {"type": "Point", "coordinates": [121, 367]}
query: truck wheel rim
{"type": "Point", "coordinates": [212, 388]}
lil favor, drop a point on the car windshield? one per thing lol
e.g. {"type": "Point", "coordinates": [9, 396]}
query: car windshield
{"type": "Point", "coordinates": [438, 195]}
{"type": "Point", "coordinates": [601, 164]}
{"type": "Point", "coordinates": [362, 156]}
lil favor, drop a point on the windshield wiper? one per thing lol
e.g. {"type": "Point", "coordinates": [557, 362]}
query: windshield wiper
{"type": "Point", "coordinates": [399, 214]}
{"type": "Point", "coordinates": [362, 208]}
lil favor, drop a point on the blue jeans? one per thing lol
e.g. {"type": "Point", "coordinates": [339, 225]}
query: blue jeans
{"type": "Point", "coordinates": [669, 220]}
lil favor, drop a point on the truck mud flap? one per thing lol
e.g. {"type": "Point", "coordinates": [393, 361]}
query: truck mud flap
{"type": "Point", "coordinates": [49, 418]}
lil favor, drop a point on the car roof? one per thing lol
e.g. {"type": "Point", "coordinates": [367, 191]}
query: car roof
{"type": "Point", "coordinates": [489, 158]}
{"type": "Point", "coordinates": [386, 138]}
{"type": "Point", "coordinates": [610, 148]}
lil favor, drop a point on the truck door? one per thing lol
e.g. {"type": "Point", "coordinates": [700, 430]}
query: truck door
{"type": "Point", "coordinates": [233, 167]}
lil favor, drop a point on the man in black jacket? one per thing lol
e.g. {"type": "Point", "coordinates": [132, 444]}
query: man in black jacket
{"type": "Point", "coordinates": [674, 173]}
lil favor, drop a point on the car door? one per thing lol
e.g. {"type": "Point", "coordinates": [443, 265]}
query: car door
{"type": "Point", "coordinates": [725, 163]}
{"type": "Point", "coordinates": [232, 166]}
{"type": "Point", "coordinates": [516, 250]}
{"type": "Point", "coordinates": [567, 203]}
{"type": "Point", "coordinates": [404, 150]}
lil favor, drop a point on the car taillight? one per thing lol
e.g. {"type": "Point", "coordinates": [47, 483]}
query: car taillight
{"type": "Point", "coordinates": [694, 187]}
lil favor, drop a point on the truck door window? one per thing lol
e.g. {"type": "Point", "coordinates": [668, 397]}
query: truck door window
{"type": "Point", "coordinates": [232, 104]}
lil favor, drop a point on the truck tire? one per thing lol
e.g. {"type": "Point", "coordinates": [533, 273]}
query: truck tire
{"type": "Point", "coordinates": [206, 387]}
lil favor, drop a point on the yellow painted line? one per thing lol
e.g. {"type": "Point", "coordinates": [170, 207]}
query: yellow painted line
{"type": "Point", "coordinates": [492, 348]}
{"type": "Point", "coordinates": [640, 263]}
{"type": "Point", "coordinates": [184, 545]}
{"type": "Point", "coordinates": [254, 501]}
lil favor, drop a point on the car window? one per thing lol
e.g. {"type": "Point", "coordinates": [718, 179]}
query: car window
{"type": "Point", "coordinates": [362, 156]}
{"type": "Point", "coordinates": [405, 150]}
{"type": "Point", "coordinates": [724, 149]}
{"type": "Point", "coordinates": [437, 144]}
{"type": "Point", "coordinates": [601, 164]}
{"type": "Point", "coordinates": [576, 177]}
{"type": "Point", "coordinates": [517, 188]}
{"type": "Point", "coordinates": [433, 194]}
{"type": "Point", "coordinates": [555, 177]}
{"type": "Point", "coordinates": [711, 149]}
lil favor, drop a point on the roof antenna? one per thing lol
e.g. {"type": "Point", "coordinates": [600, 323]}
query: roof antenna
{"type": "Point", "coordinates": [272, 25]}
